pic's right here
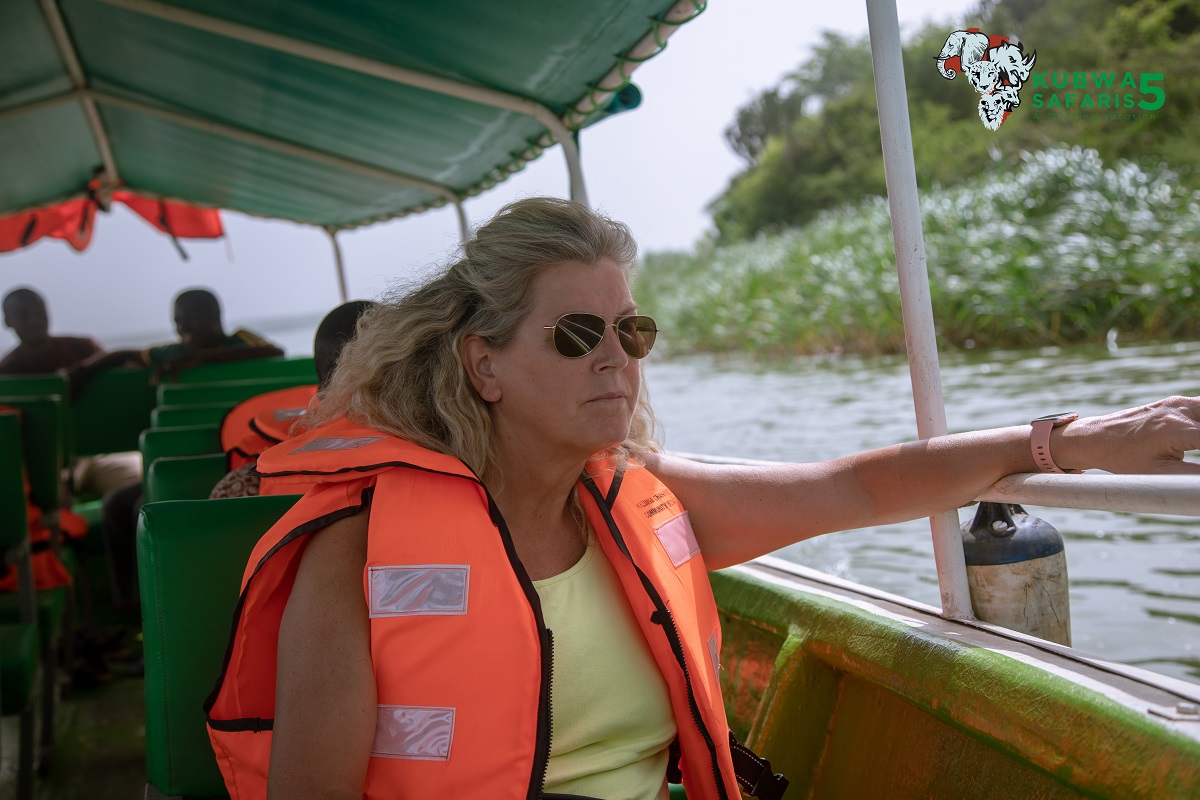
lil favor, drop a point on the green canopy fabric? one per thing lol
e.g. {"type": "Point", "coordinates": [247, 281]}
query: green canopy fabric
{"type": "Point", "coordinates": [303, 109]}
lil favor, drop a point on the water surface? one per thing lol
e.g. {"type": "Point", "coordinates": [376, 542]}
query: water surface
{"type": "Point", "coordinates": [1135, 579]}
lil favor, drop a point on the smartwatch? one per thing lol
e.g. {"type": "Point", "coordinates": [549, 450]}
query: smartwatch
{"type": "Point", "coordinates": [1039, 441]}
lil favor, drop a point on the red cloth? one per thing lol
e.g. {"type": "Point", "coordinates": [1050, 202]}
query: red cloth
{"type": "Point", "coordinates": [73, 221]}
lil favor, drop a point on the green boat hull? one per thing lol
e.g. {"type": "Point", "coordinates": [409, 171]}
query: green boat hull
{"type": "Point", "coordinates": [855, 694]}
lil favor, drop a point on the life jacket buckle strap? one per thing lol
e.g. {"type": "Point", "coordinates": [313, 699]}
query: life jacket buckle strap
{"type": "Point", "coordinates": [754, 773]}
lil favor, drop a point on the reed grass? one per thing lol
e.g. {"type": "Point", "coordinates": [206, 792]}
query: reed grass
{"type": "Point", "coordinates": [1055, 249]}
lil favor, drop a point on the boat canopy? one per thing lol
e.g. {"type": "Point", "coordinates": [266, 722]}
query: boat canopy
{"type": "Point", "coordinates": [323, 112]}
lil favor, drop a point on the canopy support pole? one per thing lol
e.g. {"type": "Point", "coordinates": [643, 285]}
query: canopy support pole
{"type": "Point", "coordinates": [464, 229]}
{"type": "Point", "coordinates": [66, 50]}
{"type": "Point", "coordinates": [368, 66]}
{"type": "Point", "coordinates": [339, 263]}
{"type": "Point", "coordinates": [919, 333]}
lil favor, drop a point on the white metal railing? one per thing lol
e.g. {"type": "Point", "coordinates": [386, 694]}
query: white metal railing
{"type": "Point", "coordinates": [1143, 494]}
{"type": "Point", "coordinates": [1137, 494]}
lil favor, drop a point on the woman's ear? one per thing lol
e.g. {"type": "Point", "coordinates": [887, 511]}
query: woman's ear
{"type": "Point", "coordinates": [477, 358]}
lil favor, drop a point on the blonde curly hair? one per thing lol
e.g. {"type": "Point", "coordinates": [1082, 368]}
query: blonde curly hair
{"type": "Point", "coordinates": [402, 372]}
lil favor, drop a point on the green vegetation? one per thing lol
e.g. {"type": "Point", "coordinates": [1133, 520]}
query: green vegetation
{"type": "Point", "coordinates": [812, 142]}
{"type": "Point", "coordinates": [1050, 248]}
{"type": "Point", "coordinates": [1030, 239]}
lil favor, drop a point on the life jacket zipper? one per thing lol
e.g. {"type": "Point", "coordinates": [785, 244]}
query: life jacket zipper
{"type": "Point", "coordinates": [662, 616]}
{"type": "Point", "coordinates": [541, 752]}
{"type": "Point", "coordinates": [546, 715]}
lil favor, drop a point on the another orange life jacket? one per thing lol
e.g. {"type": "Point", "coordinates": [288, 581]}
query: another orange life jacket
{"type": "Point", "coordinates": [49, 572]}
{"type": "Point", "coordinates": [463, 659]}
{"type": "Point", "coordinates": [261, 422]}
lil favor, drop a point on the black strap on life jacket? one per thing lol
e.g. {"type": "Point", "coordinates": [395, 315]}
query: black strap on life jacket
{"type": "Point", "coordinates": [754, 773]}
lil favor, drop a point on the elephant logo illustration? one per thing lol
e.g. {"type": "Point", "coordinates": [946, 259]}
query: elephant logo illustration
{"type": "Point", "coordinates": [995, 67]}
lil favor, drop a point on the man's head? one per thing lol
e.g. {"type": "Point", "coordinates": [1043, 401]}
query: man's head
{"type": "Point", "coordinates": [198, 319]}
{"type": "Point", "coordinates": [25, 313]}
{"type": "Point", "coordinates": [332, 334]}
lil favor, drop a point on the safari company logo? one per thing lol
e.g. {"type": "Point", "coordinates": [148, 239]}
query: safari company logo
{"type": "Point", "coordinates": [995, 67]}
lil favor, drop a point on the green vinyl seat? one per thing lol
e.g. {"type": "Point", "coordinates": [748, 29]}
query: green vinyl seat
{"type": "Point", "coordinates": [43, 424]}
{"type": "Point", "coordinates": [192, 414]}
{"type": "Point", "coordinates": [253, 369]}
{"type": "Point", "coordinates": [112, 411]}
{"type": "Point", "coordinates": [186, 440]}
{"type": "Point", "coordinates": [33, 385]}
{"type": "Point", "coordinates": [44, 435]}
{"type": "Point", "coordinates": [20, 644]}
{"type": "Point", "coordinates": [18, 650]}
{"type": "Point", "coordinates": [184, 477]}
{"type": "Point", "coordinates": [191, 556]}
{"type": "Point", "coordinates": [179, 394]}
{"type": "Point", "coordinates": [16, 387]}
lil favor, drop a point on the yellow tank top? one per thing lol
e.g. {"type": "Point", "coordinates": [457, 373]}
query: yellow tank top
{"type": "Point", "coordinates": [611, 721]}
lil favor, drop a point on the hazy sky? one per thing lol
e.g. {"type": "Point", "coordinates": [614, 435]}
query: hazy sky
{"type": "Point", "coordinates": [655, 168]}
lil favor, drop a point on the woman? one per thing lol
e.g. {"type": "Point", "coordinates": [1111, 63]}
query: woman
{"type": "Point", "coordinates": [403, 628]}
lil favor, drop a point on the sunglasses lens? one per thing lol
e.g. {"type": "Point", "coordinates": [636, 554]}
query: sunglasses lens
{"type": "Point", "coordinates": [576, 335]}
{"type": "Point", "coordinates": [637, 335]}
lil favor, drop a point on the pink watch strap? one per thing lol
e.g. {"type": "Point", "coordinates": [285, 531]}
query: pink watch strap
{"type": "Point", "coordinates": [1039, 443]}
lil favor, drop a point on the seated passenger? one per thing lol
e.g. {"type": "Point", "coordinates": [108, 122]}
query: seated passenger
{"type": "Point", "coordinates": [487, 526]}
{"type": "Point", "coordinates": [37, 352]}
{"type": "Point", "coordinates": [41, 353]}
{"type": "Point", "coordinates": [202, 340]}
{"type": "Point", "coordinates": [265, 420]}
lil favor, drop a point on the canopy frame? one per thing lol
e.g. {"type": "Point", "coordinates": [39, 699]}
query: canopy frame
{"type": "Point", "coordinates": [70, 58]}
{"type": "Point", "coordinates": [375, 68]}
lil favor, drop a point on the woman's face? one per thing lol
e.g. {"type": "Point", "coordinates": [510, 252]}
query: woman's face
{"type": "Point", "coordinates": [551, 406]}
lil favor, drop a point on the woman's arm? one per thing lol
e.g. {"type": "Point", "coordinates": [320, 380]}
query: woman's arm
{"type": "Point", "coordinates": [742, 512]}
{"type": "Point", "coordinates": [325, 694]}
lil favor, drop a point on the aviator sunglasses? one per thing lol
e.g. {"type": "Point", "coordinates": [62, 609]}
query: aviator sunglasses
{"type": "Point", "coordinates": [576, 335]}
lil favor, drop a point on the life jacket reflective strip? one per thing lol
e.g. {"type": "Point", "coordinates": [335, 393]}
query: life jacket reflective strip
{"type": "Point", "coordinates": [261, 422]}
{"type": "Point", "coordinates": [436, 538]}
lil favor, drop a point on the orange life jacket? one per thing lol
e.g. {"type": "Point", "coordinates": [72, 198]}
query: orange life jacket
{"type": "Point", "coordinates": [49, 572]}
{"type": "Point", "coordinates": [442, 571]}
{"type": "Point", "coordinates": [261, 422]}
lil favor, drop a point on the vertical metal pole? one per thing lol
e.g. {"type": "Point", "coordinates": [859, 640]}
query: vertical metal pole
{"type": "Point", "coordinates": [337, 260]}
{"type": "Point", "coordinates": [570, 147]}
{"type": "Point", "coordinates": [919, 334]}
{"type": "Point", "coordinates": [464, 230]}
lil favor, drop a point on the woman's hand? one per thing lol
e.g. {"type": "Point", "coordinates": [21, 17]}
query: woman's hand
{"type": "Point", "coordinates": [1148, 439]}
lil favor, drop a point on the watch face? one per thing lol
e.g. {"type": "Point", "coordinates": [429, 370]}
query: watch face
{"type": "Point", "coordinates": [1058, 417]}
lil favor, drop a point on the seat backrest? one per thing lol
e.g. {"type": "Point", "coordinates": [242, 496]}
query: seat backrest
{"type": "Point", "coordinates": [257, 368]}
{"type": "Point", "coordinates": [191, 555]}
{"type": "Point", "coordinates": [186, 440]}
{"type": "Point", "coordinates": [43, 425]}
{"type": "Point", "coordinates": [112, 411]}
{"type": "Point", "coordinates": [180, 394]}
{"type": "Point", "coordinates": [14, 521]}
{"type": "Point", "coordinates": [13, 524]}
{"type": "Point", "coordinates": [193, 414]}
{"type": "Point", "coordinates": [14, 386]}
{"type": "Point", "coordinates": [33, 385]}
{"type": "Point", "coordinates": [184, 477]}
